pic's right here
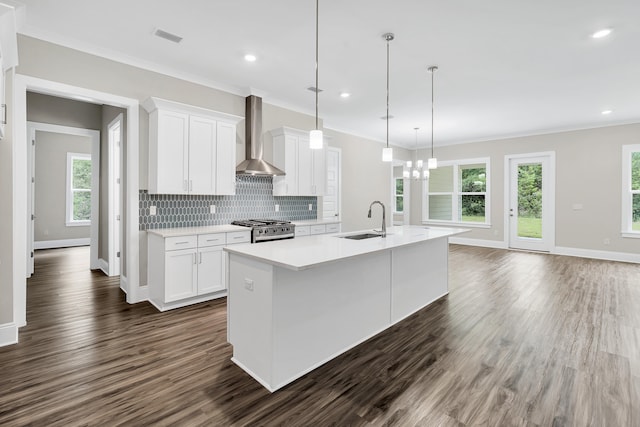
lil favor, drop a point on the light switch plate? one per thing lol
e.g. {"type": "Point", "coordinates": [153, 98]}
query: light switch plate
{"type": "Point", "coordinates": [310, 207]}
{"type": "Point", "coordinates": [277, 208]}
{"type": "Point", "coordinates": [212, 209]}
{"type": "Point", "coordinates": [152, 210]}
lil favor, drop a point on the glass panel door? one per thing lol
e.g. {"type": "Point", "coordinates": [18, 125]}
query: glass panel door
{"type": "Point", "coordinates": [530, 203]}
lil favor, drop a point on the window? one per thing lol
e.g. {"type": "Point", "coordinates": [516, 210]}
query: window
{"type": "Point", "coordinates": [631, 191]}
{"type": "Point", "coordinates": [399, 207]}
{"type": "Point", "coordinates": [456, 192]}
{"type": "Point", "coordinates": [78, 189]}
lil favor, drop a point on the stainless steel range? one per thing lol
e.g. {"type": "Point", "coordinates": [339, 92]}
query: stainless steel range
{"type": "Point", "coordinates": [263, 230]}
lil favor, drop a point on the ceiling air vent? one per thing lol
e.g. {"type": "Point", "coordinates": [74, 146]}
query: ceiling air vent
{"type": "Point", "coordinates": [167, 36]}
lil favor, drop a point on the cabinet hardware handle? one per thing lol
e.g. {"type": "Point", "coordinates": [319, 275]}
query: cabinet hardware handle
{"type": "Point", "coordinates": [200, 256]}
{"type": "Point", "coordinates": [238, 237]}
{"type": "Point", "coordinates": [181, 243]}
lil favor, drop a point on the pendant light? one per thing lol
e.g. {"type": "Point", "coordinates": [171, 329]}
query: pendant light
{"type": "Point", "coordinates": [387, 152]}
{"type": "Point", "coordinates": [432, 163]}
{"type": "Point", "coordinates": [315, 136]}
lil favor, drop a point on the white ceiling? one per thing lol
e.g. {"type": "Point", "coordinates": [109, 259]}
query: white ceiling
{"type": "Point", "coordinates": [507, 67]}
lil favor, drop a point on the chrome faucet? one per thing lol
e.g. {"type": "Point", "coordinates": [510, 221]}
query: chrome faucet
{"type": "Point", "coordinates": [384, 219]}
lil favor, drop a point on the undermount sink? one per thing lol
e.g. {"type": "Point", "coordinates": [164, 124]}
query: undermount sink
{"type": "Point", "coordinates": [361, 236]}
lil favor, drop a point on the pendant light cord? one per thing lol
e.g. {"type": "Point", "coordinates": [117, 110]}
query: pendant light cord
{"type": "Point", "coordinates": [388, 39]}
{"type": "Point", "coordinates": [433, 71]}
{"type": "Point", "coordinates": [317, 89]}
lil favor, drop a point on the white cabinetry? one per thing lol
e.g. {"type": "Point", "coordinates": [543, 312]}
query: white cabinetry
{"type": "Point", "coordinates": [191, 149]}
{"type": "Point", "coordinates": [189, 269]}
{"type": "Point", "coordinates": [305, 168]}
{"type": "Point", "coordinates": [312, 229]}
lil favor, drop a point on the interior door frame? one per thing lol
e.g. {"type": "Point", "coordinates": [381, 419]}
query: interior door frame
{"type": "Point", "coordinates": [115, 215]}
{"type": "Point", "coordinates": [549, 196]}
{"type": "Point", "coordinates": [94, 137]}
{"type": "Point", "coordinates": [21, 84]}
{"type": "Point", "coordinates": [338, 152]}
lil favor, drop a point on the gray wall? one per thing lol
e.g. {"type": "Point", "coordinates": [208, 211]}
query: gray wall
{"type": "Point", "coordinates": [6, 213]}
{"type": "Point", "coordinates": [588, 172]}
{"type": "Point", "coordinates": [49, 224]}
{"type": "Point", "coordinates": [64, 112]}
{"type": "Point", "coordinates": [51, 185]}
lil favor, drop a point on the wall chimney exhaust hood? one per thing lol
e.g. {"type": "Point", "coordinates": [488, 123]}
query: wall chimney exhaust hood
{"type": "Point", "coordinates": [254, 165]}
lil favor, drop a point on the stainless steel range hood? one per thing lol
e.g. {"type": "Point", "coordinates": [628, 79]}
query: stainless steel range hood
{"type": "Point", "coordinates": [254, 165]}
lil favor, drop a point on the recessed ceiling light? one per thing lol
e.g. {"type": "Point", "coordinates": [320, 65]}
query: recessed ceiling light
{"type": "Point", "coordinates": [605, 112]}
{"type": "Point", "coordinates": [250, 58]}
{"type": "Point", "coordinates": [601, 33]}
{"type": "Point", "coordinates": [344, 94]}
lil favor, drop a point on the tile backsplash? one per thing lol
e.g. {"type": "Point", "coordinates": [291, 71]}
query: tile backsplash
{"type": "Point", "coordinates": [254, 199]}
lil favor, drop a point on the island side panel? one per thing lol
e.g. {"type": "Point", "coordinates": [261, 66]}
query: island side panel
{"type": "Point", "coordinates": [250, 316]}
{"type": "Point", "coordinates": [419, 276]}
{"type": "Point", "coordinates": [323, 311]}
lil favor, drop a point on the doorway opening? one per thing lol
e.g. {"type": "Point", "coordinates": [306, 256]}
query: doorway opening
{"type": "Point", "coordinates": [64, 191]}
{"type": "Point", "coordinates": [114, 141]}
{"type": "Point", "coordinates": [530, 201]}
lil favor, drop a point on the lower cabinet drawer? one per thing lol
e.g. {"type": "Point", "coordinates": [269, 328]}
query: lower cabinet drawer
{"type": "Point", "coordinates": [333, 228]}
{"type": "Point", "coordinates": [205, 240]}
{"type": "Point", "coordinates": [302, 230]}
{"type": "Point", "coordinates": [180, 242]}
{"type": "Point", "coordinates": [317, 229]}
{"type": "Point", "coordinates": [238, 237]}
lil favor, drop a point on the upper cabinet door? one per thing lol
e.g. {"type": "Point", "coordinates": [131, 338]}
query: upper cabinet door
{"type": "Point", "coordinates": [226, 159]}
{"type": "Point", "coordinates": [171, 152]}
{"type": "Point", "coordinates": [305, 168]}
{"type": "Point", "coordinates": [202, 155]}
{"type": "Point", "coordinates": [285, 157]}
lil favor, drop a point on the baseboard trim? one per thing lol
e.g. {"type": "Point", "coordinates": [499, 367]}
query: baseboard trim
{"type": "Point", "coordinates": [558, 250]}
{"type": "Point", "coordinates": [595, 254]}
{"type": "Point", "coordinates": [139, 294]}
{"type": "Point", "coordinates": [104, 266]}
{"type": "Point", "coordinates": [8, 334]}
{"type": "Point", "coordinates": [495, 244]}
{"type": "Point", "coordinates": [65, 243]}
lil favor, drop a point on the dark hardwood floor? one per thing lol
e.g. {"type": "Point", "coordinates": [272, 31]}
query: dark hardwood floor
{"type": "Point", "coordinates": [522, 339]}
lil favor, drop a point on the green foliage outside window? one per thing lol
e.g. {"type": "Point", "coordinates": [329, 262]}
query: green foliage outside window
{"type": "Point", "coordinates": [81, 189]}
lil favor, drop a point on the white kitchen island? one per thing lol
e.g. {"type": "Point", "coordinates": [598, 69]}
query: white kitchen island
{"type": "Point", "coordinates": [296, 304]}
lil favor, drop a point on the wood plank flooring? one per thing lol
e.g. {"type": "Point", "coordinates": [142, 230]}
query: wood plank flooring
{"type": "Point", "coordinates": [522, 339]}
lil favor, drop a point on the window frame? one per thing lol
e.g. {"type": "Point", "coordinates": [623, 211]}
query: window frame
{"type": "Point", "coordinates": [628, 192]}
{"type": "Point", "coordinates": [456, 194]}
{"type": "Point", "coordinates": [396, 195]}
{"type": "Point", "coordinates": [70, 222]}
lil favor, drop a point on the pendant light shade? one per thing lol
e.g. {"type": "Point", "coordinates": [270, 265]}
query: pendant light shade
{"type": "Point", "coordinates": [315, 139]}
{"type": "Point", "coordinates": [387, 152]}
{"type": "Point", "coordinates": [315, 136]}
{"type": "Point", "coordinates": [432, 163]}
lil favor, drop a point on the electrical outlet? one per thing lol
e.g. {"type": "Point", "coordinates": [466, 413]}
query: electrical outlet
{"type": "Point", "coordinates": [152, 210]}
{"type": "Point", "coordinates": [277, 208]}
{"type": "Point", "coordinates": [248, 284]}
{"type": "Point", "coordinates": [607, 241]}
{"type": "Point", "coordinates": [310, 207]}
{"type": "Point", "coordinates": [212, 209]}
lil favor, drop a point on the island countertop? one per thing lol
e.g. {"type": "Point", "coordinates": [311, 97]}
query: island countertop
{"type": "Point", "coordinates": [307, 252]}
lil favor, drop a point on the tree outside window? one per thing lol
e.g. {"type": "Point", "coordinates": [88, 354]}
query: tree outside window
{"type": "Point", "coordinates": [399, 195]}
{"type": "Point", "coordinates": [456, 192]}
{"type": "Point", "coordinates": [78, 189]}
